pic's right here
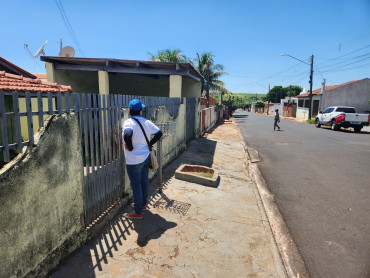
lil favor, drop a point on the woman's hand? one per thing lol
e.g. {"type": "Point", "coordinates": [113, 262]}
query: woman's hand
{"type": "Point", "coordinates": [126, 148]}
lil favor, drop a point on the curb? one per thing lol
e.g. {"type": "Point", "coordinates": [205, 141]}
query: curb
{"type": "Point", "coordinates": [292, 260]}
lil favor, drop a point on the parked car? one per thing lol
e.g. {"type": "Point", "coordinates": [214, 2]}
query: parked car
{"type": "Point", "coordinates": [342, 116]}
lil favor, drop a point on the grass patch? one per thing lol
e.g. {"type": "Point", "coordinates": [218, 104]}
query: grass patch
{"type": "Point", "coordinates": [310, 121]}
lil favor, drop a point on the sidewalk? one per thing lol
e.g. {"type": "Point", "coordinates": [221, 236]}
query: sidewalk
{"type": "Point", "coordinates": [190, 230]}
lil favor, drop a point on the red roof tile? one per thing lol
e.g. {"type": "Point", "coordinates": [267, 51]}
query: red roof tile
{"type": "Point", "coordinates": [40, 75]}
{"type": "Point", "coordinates": [13, 82]}
{"type": "Point", "coordinates": [327, 88]}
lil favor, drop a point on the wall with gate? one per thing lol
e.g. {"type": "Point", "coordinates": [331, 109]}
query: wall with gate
{"type": "Point", "coordinates": [37, 189]}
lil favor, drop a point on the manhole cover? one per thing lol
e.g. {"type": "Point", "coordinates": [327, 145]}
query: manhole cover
{"type": "Point", "coordinates": [172, 206]}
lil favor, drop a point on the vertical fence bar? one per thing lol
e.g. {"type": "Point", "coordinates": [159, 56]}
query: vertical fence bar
{"type": "Point", "coordinates": [109, 141]}
{"type": "Point", "coordinates": [97, 171]}
{"type": "Point", "coordinates": [102, 159]}
{"type": "Point", "coordinates": [66, 98]}
{"type": "Point", "coordinates": [4, 128]}
{"type": "Point", "coordinates": [106, 158]}
{"type": "Point", "coordinates": [87, 159]}
{"type": "Point", "coordinates": [17, 122]}
{"type": "Point", "coordinates": [29, 118]}
{"type": "Point", "coordinates": [59, 103]}
{"type": "Point", "coordinates": [40, 109]}
{"type": "Point", "coordinates": [95, 116]}
{"type": "Point", "coordinates": [91, 137]}
{"type": "Point", "coordinates": [106, 149]}
{"type": "Point", "coordinates": [50, 104]}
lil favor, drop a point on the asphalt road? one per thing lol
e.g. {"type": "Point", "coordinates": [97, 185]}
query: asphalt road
{"type": "Point", "coordinates": [321, 182]}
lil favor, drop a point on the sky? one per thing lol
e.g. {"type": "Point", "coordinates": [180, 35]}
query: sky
{"type": "Point", "coordinates": [247, 37]}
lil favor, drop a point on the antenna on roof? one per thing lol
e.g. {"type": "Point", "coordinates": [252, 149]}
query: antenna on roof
{"type": "Point", "coordinates": [39, 52]}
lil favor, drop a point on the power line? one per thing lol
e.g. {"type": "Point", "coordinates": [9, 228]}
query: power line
{"type": "Point", "coordinates": [318, 70]}
{"type": "Point", "coordinates": [347, 64]}
{"type": "Point", "coordinates": [68, 25]}
{"type": "Point", "coordinates": [350, 59]}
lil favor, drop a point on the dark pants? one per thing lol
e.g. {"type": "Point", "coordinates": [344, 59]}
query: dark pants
{"type": "Point", "coordinates": [276, 125]}
{"type": "Point", "coordinates": [139, 180]}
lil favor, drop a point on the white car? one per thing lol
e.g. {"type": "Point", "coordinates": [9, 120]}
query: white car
{"type": "Point", "coordinates": [342, 116]}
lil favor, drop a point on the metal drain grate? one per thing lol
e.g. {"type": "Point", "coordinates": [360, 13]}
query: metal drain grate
{"type": "Point", "coordinates": [172, 206]}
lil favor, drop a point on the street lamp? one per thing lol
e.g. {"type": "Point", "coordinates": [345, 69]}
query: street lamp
{"type": "Point", "coordinates": [311, 77]}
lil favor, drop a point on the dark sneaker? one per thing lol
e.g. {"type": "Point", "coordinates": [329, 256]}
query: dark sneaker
{"type": "Point", "coordinates": [133, 215]}
{"type": "Point", "coordinates": [133, 205]}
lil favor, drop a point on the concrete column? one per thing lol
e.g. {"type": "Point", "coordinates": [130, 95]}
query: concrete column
{"type": "Point", "coordinates": [103, 82]}
{"type": "Point", "coordinates": [50, 72]}
{"type": "Point", "coordinates": [175, 85]}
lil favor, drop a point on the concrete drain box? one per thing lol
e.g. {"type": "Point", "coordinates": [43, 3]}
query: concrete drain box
{"type": "Point", "coordinates": [197, 174]}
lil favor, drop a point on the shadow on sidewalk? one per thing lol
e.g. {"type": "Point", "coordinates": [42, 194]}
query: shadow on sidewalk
{"type": "Point", "coordinates": [96, 253]}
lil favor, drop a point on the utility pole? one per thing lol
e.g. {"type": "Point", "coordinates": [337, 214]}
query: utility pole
{"type": "Point", "coordinates": [268, 101]}
{"type": "Point", "coordinates": [310, 101]}
{"type": "Point", "coordinates": [207, 92]}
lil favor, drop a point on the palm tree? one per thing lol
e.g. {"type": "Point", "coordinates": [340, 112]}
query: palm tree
{"type": "Point", "coordinates": [169, 55]}
{"type": "Point", "coordinates": [205, 66]}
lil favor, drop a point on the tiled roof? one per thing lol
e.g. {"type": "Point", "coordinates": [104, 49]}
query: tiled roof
{"type": "Point", "coordinates": [40, 75]}
{"type": "Point", "coordinates": [13, 82]}
{"type": "Point", "coordinates": [327, 88]}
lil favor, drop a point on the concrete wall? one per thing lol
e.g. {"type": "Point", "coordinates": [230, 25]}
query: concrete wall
{"type": "Point", "coordinates": [41, 200]}
{"type": "Point", "coordinates": [356, 94]}
{"type": "Point", "coordinates": [211, 117]}
{"type": "Point", "coordinates": [302, 112]}
{"type": "Point", "coordinates": [138, 84]}
{"type": "Point", "coordinates": [81, 81]}
{"type": "Point", "coordinates": [190, 87]}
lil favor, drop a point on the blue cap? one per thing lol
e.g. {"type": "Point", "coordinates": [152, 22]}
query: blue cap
{"type": "Point", "coordinates": [136, 105]}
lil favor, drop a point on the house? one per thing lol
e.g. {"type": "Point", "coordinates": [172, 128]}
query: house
{"type": "Point", "coordinates": [114, 76]}
{"type": "Point", "coordinates": [354, 93]}
{"type": "Point", "coordinates": [16, 79]}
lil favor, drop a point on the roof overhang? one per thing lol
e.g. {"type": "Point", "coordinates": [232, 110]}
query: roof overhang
{"type": "Point", "coordinates": [123, 66]}
{"type": "Point", "coordinates": [15, 69]}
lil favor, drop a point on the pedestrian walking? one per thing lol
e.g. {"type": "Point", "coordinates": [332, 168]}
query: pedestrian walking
{"type": "Point", "coordinates": [277, 119]}
{"type": "Point", "coordinates": [136, 131]}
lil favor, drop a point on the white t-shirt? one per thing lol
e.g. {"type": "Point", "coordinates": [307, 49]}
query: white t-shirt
{"type": "Point", "coordinates": [141, 149]}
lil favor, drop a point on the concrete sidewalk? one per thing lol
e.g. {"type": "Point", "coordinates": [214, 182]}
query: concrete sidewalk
{"type": "Point", "coordinates": [190, 230]}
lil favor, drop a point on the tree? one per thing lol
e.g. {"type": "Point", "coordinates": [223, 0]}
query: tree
{"type": "Point", "coordinates": [169, 55]}
{"type": "Point", "coordinates": [293, 91]}
{"type": "Point", "coordinates": [205, 65]}
{"type": "Point", "coordinates": [260, 104]}
{"type": "Point", "coordinates": [279, 92]}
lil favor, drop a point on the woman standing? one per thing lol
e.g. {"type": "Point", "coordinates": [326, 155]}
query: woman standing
{"type": "Point", "coordinates": [137, 155]}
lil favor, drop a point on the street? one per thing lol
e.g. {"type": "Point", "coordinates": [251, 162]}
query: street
{"type": "Point", "coordinates": [320, 180]}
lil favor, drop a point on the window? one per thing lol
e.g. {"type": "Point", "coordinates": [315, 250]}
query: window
{"type": "Point", "coordinates": [300, 103]}
{"type": "Point", "coordinates": [346, 109]}
{"type": "Point", "coordinates": [328, 110]}
{"type": "Point", "coordinates": [306, 103]}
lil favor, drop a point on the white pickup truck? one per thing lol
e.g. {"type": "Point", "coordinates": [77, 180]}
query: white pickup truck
{"type": "Point", "coordinates": [342, 116]}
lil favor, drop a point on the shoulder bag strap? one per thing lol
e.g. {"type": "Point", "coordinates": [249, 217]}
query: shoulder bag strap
{"type": "Point", "coordinates": [146, 138]}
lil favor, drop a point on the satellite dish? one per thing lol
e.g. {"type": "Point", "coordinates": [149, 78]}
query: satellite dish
{"type": "Point", "coordinates": [67, 51]}
{"type": "Point", "coordinates": [41, 50]}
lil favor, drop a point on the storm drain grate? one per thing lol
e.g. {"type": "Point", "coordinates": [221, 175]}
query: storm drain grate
{"type": "Point", "coordinates": [172, 206]}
